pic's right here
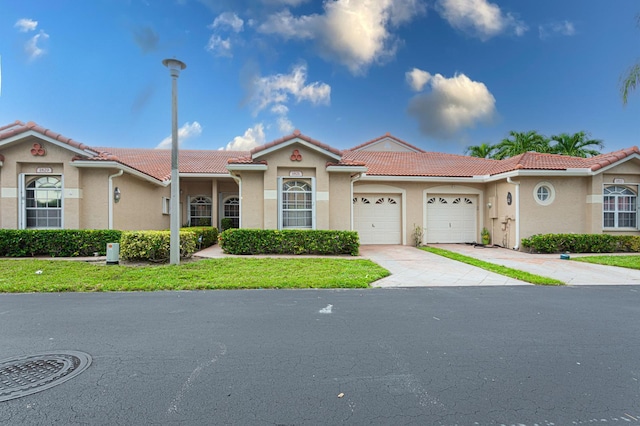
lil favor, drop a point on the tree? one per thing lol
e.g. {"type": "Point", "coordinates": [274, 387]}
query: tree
{"type": "Point", "coordinates": [629, 81]}
{"type": "Point", "coordinates": [576, 145]}
{"type": "Point", "coordinates": [521, 142]}
{"type": "Point", "coordinates": [484, 150]}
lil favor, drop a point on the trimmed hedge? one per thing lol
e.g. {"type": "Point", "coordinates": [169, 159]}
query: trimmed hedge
{"type": "Point", "coordinates": [206, 236]}
{"type": "Point", "coordinates": [581, 243]}
{"type": "Point", "coordinates": [290, 241]}
{"type": "Point", "coordinates": [155, 246]}
{"type": "Point", "coordinates": [56, 242]}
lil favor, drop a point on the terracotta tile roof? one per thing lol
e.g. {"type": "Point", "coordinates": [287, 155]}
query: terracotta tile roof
{"type": "Point", "coordinates": [420, 164]}
{"type": "Point", "coordinates": [18, 127]}
{"type": "Point", "coordinates": [386, 135]}
{"type": "Point", "coordinates": [295, 135]}
{"type": "Point", "coordinates": [157, 162]}
{"type": "Point", "coordinates": [603, 160]}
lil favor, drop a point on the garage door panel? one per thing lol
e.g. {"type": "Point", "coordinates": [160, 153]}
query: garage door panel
{"type": "Point", "coordinates": [451, 218]}
{"type": "Point", "coordinates": [377, 218]}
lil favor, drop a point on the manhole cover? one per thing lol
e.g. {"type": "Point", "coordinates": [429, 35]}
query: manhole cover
{"type": "Point", "coordinates": [24, 375]}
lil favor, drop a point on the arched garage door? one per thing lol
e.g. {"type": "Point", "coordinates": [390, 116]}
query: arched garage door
{"type": "Point", "coordinates": [452, 218]}
{"type": "Point", "coordinates": [377, 218]}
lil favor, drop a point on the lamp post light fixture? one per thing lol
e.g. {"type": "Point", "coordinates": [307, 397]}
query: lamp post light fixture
{"type": "Point", "coordinates": [175, 66]}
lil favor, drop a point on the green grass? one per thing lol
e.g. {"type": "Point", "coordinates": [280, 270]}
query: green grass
{"type": "Point", "coordinates": [20, 276]}
{"type": "Point", "coordinates": [492, 267]}
{"type": "Point", "coordinates": [631, 261]}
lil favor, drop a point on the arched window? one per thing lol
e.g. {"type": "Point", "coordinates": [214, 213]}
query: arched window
{"type": "Point", "coordinates": [200, 211]}
{"type": "Point", "coordinates": [297, 204]}
{"type": "Point", "coordinates": [231, 210]}
{"type": "Point", "coordinates": [44, 202]}
{"type": "Point", "coordinates": [620, 207]}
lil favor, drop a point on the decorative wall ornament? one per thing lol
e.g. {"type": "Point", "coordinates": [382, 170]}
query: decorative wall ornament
{"type": "Point", "coordinates": [296, 156]}
{"type": "Point", "coordinates": [37, 150]}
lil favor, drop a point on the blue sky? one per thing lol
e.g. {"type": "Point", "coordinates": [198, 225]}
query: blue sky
{"type": "Point", "coordinates": [439, 74]}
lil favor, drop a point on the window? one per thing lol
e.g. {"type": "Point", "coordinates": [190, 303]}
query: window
{"type": "Point", "coordinates": [297, 204]}
{"type": "Point", "coordinates": [544, 193]}
{"type": "Point", "coordinates": [620, 207]}
{"type": "Point", "coordinates": [231, 210]}
{"type": "Point", "coordinates": [44, 202]}
{"type": "Point", "coordinates": [200, 211]}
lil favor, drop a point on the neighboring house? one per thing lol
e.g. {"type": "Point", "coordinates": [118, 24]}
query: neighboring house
{"type": "Point", "coordinates": [383, 189]}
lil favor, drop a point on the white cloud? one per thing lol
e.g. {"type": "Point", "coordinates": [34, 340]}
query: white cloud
{"type": "Point", "coordinates": [284, 124]}
{"type": "Point", "coordinates": [228, 20]}
{"type": "Point", "coordinates": [25, 25]}
{"type": "Point", "coordinates": [353, 33]}
{"type": "Point", "coordinates": [565, 28]}
{"type": "Point", "coordinates": [254, 136]}
{"type": "Point", "coordinates": [187, 131]}
{"type": "Point", "coordinates": [279, 88]}
{"type": "Point", "coordinates": [451, 105]}
{"type": "Point", "coordinates": [479, 18]}
{"type": "Point", "coordinates": [32, 48]}
{"type": "Point", "coordinates": [219, 46]}
{"type": "Point", "coordinates": [417, 79]}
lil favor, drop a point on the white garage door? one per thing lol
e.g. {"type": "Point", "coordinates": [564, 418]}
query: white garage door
{"type": "Point", "coordinates": [452, 218]}
{"type": "Point", "coordinates": [377, 218]}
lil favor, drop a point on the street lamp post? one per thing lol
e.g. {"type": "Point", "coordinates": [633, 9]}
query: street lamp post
{"type": "Point", "coordinates": [175, 66]}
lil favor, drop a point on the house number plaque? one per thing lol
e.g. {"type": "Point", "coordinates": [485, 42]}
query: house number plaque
{"type": "Point", "coordinates": [44, 170]}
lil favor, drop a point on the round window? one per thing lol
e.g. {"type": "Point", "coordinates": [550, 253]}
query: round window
{"type": "Point", "coordinates": [544, 193]}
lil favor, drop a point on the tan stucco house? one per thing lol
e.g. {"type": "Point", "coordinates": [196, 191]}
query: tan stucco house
{"type": "Point", "coordinates": [383, 189]}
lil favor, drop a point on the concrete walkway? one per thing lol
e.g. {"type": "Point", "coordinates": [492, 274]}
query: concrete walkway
{"type": "Point", "coordinates": [411, 267]}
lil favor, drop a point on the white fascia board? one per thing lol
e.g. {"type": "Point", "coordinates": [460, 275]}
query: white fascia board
{"type": "Point", "coordinates": [261, 167]}
{"type": "Point", "coordinates": [617, 163]}
{"type": "Point", "coordinates": [301, 142]}
{"type": "Point", "coordinates": [115, 165]}
{"type": "Point", "coordinates": [474, 179]}
{"type": "Point", "coordinates": [540, 173]}
{"type": "Point", "coordinates": [347, 169]}
{"type": "Point", "coordinates": [18, 137]}
{"type": "Point", "coordinates": [205, 175]}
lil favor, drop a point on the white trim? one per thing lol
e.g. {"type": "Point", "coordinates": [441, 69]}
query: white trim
{"type": "Point", "coordinates": [23, 135]}
{"type": "Point", "coordinates": [388, 189]}
{"type": "Point", "coordinates": [118, 166]}
{"type": "Point", "coordinates": [517, 185]}
{"type": "Point", "coordinates": [552, 193]}
{"type": "Point", "coordinates": [234, 167]}
{"type": "Point", "coordinates": [8, 192]}
{"type": "Point", "coordinates": [347, 169]}
{"type": "Point", "coordinates": [298, 141]}
{"type": "Point", "coordinates": [110, 195]}
{"type": "Point", "coordinates": [310, 179]}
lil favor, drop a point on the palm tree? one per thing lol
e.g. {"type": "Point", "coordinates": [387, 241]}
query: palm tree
{"type": "Point", "coordinates": [629, 82]}
{"type": "Point", "coordinates": [576, 145]}
{"type": "Point", "coordinates": [484, 150]}
{"type": "Point", "coordinates": [520, 142]}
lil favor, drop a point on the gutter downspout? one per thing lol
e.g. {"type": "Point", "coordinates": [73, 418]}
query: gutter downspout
{"type": "Point", "coordinates": [517, 185]}
{"type": "Point", "coordinates": [239, 182]}
{"type": "Point", "coordinates": [354, 178]}
{"type": "Point", "coordinates": [111, 196]}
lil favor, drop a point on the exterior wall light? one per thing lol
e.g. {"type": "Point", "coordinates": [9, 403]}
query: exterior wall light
{"type": "Point", "coordinates": [116, 194]}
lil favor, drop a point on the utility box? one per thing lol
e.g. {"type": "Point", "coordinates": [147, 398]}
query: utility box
{"type": "Point", "coordinates": [113, 253]}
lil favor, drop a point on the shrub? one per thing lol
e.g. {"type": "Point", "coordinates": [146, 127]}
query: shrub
{"type": "Point", "coordinates": [268, 241]}
{"type": "Point", "coordinates": [206, 236]}
{"type": "Point", "coordinates": [581, 243]}
{"type": "Point", "coordinates": [155, 246]}
{"type": "Point", "coordinates": [226, 223]}
{"type": "Point", "coordinates": [56, 242]}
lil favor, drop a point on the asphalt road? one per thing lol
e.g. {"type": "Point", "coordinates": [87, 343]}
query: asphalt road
{"type": "Point", "coordinates": [424, 356]}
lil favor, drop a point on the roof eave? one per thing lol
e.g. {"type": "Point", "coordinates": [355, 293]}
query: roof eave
{"type": "Point", "coordinates": [300, 141]}
{"type": "Point", "coordinates": [251, 167]}
{"type": "Point", "coordinates": [115, 165]}
{"type": "Point", "coordinates": [22, 135]}
{"type": "Point", "coordinates": [347, 169]}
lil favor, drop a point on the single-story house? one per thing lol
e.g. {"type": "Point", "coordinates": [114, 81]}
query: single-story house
{"type": "Point", "coordinates": [384, 188]}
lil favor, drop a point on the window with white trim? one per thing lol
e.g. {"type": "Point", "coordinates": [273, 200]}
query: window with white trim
{"type": "Point", "coordinates": [43, 202]}
{"type": "Point", "coordinates": [620, 207]}
{"type": "Point", "coordinates": [544, 193]}
{"type": "Point", "coordinates": [296, 204]}
{"type": "Point", "coordinates": [231, 210]}
{"type": "Point", "coordinates": [200, 211]}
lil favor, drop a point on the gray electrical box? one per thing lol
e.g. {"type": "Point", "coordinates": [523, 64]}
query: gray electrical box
{"type": "Point", "coordinates": [113, 253]}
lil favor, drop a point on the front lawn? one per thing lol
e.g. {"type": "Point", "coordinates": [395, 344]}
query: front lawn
{"type": "Point", "coordinates": [35, 275]}
{"type": "Point", "coordinates": [631, 261]}
{"type": "Point", "coordinates": [492, 267]}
